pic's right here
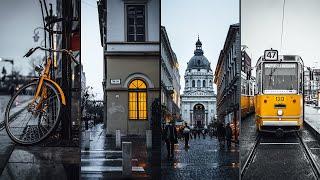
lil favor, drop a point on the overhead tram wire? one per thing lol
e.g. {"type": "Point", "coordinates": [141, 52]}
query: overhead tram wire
{"type": "Point", "coordinates": [283, 6]}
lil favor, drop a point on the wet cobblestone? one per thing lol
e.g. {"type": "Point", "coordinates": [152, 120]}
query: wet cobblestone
{"type": "Point", "coordinates": [205, 159]}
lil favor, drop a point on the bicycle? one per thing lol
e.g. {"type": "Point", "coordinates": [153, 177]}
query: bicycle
{"type": "Point", "coordinates": [34, 111]}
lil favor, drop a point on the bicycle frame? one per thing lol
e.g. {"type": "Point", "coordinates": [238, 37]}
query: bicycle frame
{"type": "Point", "coordinates": [45, 76]}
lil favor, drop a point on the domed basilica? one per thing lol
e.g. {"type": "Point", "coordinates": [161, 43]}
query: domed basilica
{"type": "Point", "coordinates": [198, 101]}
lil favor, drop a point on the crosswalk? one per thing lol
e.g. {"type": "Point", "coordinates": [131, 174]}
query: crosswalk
{"type": "Point", "coordinates": [104, 162]}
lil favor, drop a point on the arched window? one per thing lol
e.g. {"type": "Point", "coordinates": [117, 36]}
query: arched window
{"type": "Point", "coordinates": [193, 83]}
{"type": "Point", "coordinates": [210, 83]}
{"type": "Point", "coordinates": [137, 100]}
{"type": "Point", "coordinates": [187, 83]}
{"type": "Point", "coordinates": [204, 83]}
{"type": "Point", "coordinates": [198, 83]}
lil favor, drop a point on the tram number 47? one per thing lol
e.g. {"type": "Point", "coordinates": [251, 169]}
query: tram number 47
{"type": "Point", "coordinates": [279, 98]}
{"type": "Point", "coordinates": [271, 55]}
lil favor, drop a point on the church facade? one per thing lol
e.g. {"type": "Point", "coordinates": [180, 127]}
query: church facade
{"type": "Point", "coordinates": [198, 101]}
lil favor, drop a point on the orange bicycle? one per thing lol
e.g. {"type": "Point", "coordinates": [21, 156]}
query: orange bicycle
{"type": "Point", "coordinates": [34, 111]}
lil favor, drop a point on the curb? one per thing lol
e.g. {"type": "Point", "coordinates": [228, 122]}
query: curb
{"type": "Point", "coordinates": [312, 129]}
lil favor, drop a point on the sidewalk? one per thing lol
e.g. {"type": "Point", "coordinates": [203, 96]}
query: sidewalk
{"type": "Point", "coordinates": [104, 160]}
{"type": "Point", "coordinates": [312, 118]}
{"type": "Point", "coordinates": [205, 159]}
{"type": "Point", "coordinates": [37, 162]}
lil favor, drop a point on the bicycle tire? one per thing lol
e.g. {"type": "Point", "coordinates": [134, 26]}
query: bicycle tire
{"type": "Point", "coordinates": [8, 121]}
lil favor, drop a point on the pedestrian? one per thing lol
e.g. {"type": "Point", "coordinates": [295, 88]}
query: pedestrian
{"type": "Point", "coordinates": [219, 132]}
{"type": "Point", "coordinates": [228, 135]}
{"type": "Point", "coordinates": [186, 134]}
{"type": "Point", "coordinates": [195, 133]}
{"type": "Point", "coordinates": [223, 133]}
{"type": "Point", "coordinates": [170, 139]}
{"type": "Point", "coordinates": [203, 133]}
{"type": "Point", "coordinates": [199, 132]}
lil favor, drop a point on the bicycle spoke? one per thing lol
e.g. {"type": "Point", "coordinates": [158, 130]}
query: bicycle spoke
{"type": "Point", "coordinates": [30, 124]}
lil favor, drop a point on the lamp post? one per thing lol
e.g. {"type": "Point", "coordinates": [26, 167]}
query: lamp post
{"type": "Point", "coordinates": [36, 33]}
{"type": "Point", "coordinates": [9, 61]}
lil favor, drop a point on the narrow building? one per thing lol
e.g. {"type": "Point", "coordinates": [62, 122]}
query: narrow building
{"type": "Point", "coordinates": [131, 64]}
{"type": "Point", "coordinates": [170, 80]}
{"type": "Point", "coordinates": [228, 79]}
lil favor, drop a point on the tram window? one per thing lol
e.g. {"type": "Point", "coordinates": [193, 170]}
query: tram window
{"type": "Point", "coordinates": [280, 76]}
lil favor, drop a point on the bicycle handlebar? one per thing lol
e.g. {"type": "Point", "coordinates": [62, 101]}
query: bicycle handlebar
{"type": "Point", "coordinates": [68, 52]}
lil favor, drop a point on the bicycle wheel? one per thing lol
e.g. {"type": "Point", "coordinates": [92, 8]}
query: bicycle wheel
{"type": "Point", "coordinates": [29, 121]}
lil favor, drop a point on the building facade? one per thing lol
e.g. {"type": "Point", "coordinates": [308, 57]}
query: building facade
{"type": "Point", "coordinates": [131, 64]}
{"type": "Point", "coordinates": [311, 84]}
{"type": "Point", "coordinates": [198, 101]}
{"type": "Point", "coordinates": [228, 79]}
{"type": "Point", "coordinates": [170, 80]}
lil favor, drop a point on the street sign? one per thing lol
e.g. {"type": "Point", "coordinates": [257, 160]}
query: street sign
{"type": "Point", "coordinates": [115, 81]}
{"type": "Point", "coordinates": [271, 55]}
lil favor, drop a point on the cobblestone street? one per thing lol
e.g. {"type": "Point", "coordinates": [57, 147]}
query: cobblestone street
{"type": "Point", "coordinates": [205, 159]}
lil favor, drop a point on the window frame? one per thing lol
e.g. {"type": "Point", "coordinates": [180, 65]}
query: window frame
{"type": "Point", "coordinates": [127, 22]}
{"type": "Point", "coordinates": [136, 91]}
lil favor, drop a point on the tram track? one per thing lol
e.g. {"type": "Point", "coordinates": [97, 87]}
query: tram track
{"type": "Point", "coordinates": [258, 142]}
{"type": "Point", "coordinates": [309, 155]}
{"type": "Point", "coordinates": [252, 153]}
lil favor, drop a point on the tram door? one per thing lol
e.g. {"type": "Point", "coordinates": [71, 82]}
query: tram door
{"type": "Point", "coordinates": [199, 115]}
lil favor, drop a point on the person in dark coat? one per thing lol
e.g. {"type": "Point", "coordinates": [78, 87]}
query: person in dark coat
{"type": "Point", "coordinates": [170, 138]}
{"type": "Point", "coordinates": [221, 132]}
{"type": "Point", "coordinates": [186, 134]}
{"type": "Point", "coordinates": [228, 135]}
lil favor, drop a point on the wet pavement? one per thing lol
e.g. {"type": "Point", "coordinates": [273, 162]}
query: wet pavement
{"type": "Point", "coordinates": [205, 159]}
{"type": "Point", "coordinates": [4, 99]}
{"type": "Point", "coordinates": [312, 117]}
{"type": "Point", "coordinates": [35, 162]}
{"type": "Point", "coordinates": [279, 158]}
{"type": "Point", "coordinates": [101, 159]}
{"type": "Point", "coordinates": [247, 138]}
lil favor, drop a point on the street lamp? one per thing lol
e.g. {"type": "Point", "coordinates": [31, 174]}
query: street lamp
{"type": "Point", "coordinates": [36, 34]}
{"type": "Point", "coordinates": [10, 61]}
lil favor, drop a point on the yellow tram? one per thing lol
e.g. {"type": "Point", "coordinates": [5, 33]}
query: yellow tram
{"type": "Point", "coordinates": [279, 96]}
{"type": "Point", "coordinates": [247, 94]}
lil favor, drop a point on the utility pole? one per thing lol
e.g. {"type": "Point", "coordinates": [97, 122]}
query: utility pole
{"type": "Point", "coordinates": [66, 68]}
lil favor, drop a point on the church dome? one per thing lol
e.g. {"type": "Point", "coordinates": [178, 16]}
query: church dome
{"type": "Point", "coordinates": [198, 61]}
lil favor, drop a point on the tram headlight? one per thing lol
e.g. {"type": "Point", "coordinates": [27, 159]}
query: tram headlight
{"type": "Point", "coordinates": [280, 112]}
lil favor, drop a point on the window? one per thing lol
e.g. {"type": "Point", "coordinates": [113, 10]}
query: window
{"type": "Point", "coordinates": [198, 83]}
{"type": "Point", "coordinates": [135, 23]}
{"type": "Point", "coordinates": [204, 83]}
{"type": "Point", "coordinates": [193, 83]}
{"type": "Point", "coordinates": [137, 100]}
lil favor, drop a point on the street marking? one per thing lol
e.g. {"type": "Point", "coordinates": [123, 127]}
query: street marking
{"type": "Point", "coordinates": [103, 159]}
{"type": "Point", "coordinates": [279, 143]}
{"type": "Point", "coordinates": [314, 148]}
{"type": "Point", "coordinates": [93, 169]}
{"type": "Point", "coordinates": [100, 151]}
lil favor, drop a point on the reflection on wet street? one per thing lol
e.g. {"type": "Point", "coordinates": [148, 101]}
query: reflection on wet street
{"type": "Point", "coordinates": [101, 159]}
{"type": "Point", "coordinates": [35, 162]}
{"type": "Point", "coordinates": [205, 159]}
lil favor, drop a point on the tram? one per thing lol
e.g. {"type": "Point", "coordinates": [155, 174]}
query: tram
{"type": "Point", "coordinates": [247, 94]}
{"type": "Point", "coordinates": [279, 97]}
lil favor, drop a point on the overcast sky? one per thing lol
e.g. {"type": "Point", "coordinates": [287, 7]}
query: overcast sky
{"type": "Point", "coordinates": [261, 28]}
{"type": "Point", "coordinates": [18, 20]}
{"type": "Point", "coordinates": [91, 49]}
{"type": "Point", "coordinates": [185, 19]}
